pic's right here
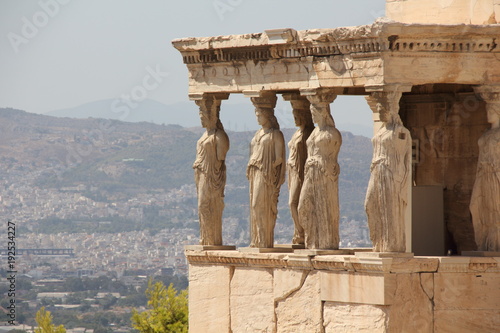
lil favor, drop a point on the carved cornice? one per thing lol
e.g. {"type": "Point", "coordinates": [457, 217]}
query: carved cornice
{"type": "Point", "coordinates": [367, 57]}
{"type": "Point", "coordinates": [268, 52]}
{"type": "Point", "coordinates": [344, 262]}
{"type": "Point", "coordinates": [365, 41]}
{"type": "Point", "coordinates": [450, 44]}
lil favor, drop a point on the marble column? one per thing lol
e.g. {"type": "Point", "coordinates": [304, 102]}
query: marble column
{"type": "Point", "coordinates": [318, 208]}
{"type": "Point", "coordinates": [210, 168]}
{"type": "Point", "coordinates": [265, 171]}
{"type": "Point", "coordinates": [388, 195]}
{"type": "Point", "coordinates": [485, 199]}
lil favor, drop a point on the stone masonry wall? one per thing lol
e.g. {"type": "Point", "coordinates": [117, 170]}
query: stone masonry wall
{"type": "Point", "coordinates": [444, 11]}
{"type": "Point", "coordinates": [238, 292]}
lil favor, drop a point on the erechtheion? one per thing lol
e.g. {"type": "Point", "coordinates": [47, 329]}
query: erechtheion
{"type": "Point", "coordinates": [430, 72]}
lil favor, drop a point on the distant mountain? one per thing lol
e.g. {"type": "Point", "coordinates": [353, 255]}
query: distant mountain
{"type": "Point", "coordinates": [235, 117]}
{"type": "Point", "coordinates": [115, 161]}
{"type": "Point", "coordinates": [148, 110]}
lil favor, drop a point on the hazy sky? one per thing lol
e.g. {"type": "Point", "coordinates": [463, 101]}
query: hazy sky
{"type": "Point", "coordinates": [57, 54]}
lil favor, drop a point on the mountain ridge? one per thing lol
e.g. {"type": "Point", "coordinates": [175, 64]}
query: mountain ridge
{"type": "Point", "coordinates": [235, 116]}
{"type": "Point", "coordinates": [112, 163]}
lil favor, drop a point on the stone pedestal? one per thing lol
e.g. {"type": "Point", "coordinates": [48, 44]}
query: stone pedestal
{"type": "Point", "coordinates": [231, 291]}
{"type": "Point", "coordinates": [265, 249]}
{"type": "Point", "coordinates": [317, 252]}
{"type": "Point", "coordinates": [481, 253]}
{"type": "Point", "coordinates": [364, 254]}
{"type": "Point", "coordinates": [290, 246]}
{"type": "Point", "coordinates": [209, 247]}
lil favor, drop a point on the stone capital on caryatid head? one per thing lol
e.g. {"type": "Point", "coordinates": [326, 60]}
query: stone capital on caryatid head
{"type": "Point", "coordinates": [209, 103]}
{"type": "Point", "coordinates": [262, 98]}
{"type": "Point", "coordinates": [385, 98]}
{"type": "Point", "coordinates": [491, 95]}
{"type": "Point", "coordinates": [320, 97]}
{"type": "Point", "coordinates": [297, 101]}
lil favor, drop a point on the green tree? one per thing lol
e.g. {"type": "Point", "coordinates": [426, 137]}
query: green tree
{"type": "Point", "coordinates": [44, 321]}
{"type": "Point", "coordinates": [168, 310]}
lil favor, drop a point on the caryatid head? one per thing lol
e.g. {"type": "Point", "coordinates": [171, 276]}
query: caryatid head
{"type": "Point", "coordinates": [389, 116]}
{"type": "Point", "coordinates": [266, 118]}
{"type": "Point", "coordinates": [209, 113]}
{"type": "Point", "coordinates": [321, 114]}
{"type": "Point", "coordinates": [303, 118]}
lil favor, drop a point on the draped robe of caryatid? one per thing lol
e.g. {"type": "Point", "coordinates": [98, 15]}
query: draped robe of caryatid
{"type": "Point", "coordinates": [319, 203]}
{"type": "Point", "coordinates": [266, 173]}
{"type": "Point", "coordinates": [485, 200]}
{"type": "Point", "coordinates": [387, 194]}
{"type": "Point", "coordinates": [210, 178]}
{"type": "Point", "coordinates": [297, 148]}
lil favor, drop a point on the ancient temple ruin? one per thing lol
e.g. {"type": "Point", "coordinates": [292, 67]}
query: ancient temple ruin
{"type": "Point", "coordinates": [434, 89]}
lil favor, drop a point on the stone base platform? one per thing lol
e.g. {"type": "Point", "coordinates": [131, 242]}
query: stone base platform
{"type": "Point", "coordinates": [290, 246]}
{"type": "Point", "coordinates": [233, 291]}
{"type": "Point", "coordinates": [209, 247]}
{"type": "Point", "coordinates": [318, 252]}
{"type": "Point", "coordinates": [366, 254]}
{"type": "Point", "coordinates": [481, 253]}
{"type": "Point", "coordinates": [265, 249]}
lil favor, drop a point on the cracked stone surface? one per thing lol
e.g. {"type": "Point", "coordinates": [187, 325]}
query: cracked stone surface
{"type": "Point", "coordinates": [412, 310]}
{"type": "Point", "coordinates": [301, 310]}
{"type": "Point", "coordinates": [342, 317]}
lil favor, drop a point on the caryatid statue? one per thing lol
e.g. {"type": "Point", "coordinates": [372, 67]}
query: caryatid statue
{"type": "Point", "coordinates": [265, 171]}
{"type": "Point", "coordinates": [297, 149]}
{"type": "Point", "coordinates": [210, 171]}
{"type": "Point", "coordinates": [388, 190]}
{"type": "Point", "coordinates": [319, 200]}
{"type": "Point", "coordinates": [485, 200]}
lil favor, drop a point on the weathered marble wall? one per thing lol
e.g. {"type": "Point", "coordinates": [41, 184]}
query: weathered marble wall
{"type": "Point", "coordinates": [448, 126]}
{"type": "Point", "coordinates": [444, 11]}
{"type": "Point", "coordinates": [236, 292]}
